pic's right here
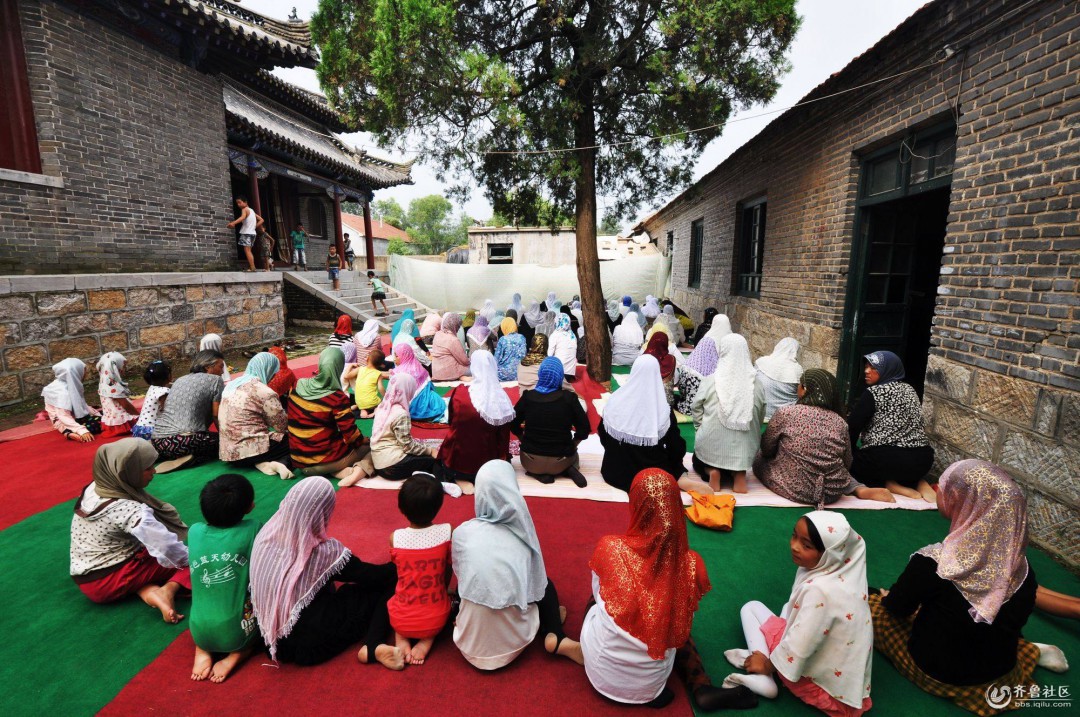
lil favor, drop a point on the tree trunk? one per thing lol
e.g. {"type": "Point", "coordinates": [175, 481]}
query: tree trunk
{"type": "Point", "coordinates": [588, 261]}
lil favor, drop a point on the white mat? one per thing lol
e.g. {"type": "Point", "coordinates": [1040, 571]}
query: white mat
{"type": "Point", "coordinates": [591, 454]}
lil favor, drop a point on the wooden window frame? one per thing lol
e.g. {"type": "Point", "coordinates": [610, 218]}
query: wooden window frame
{"type": "Point", "coordinates": [697, 252]}
{"type": "Point", "coordinates": [750, 254]}
{"type": "Point", "coordinates": [19, 150]}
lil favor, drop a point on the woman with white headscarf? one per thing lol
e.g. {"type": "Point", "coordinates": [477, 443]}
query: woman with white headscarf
{"type": "Point", "coordinates": [516, 306]}
{"type": "Point", "coordinates": [668, 319]}
{"type": "Point", "coordinates": [626, 341]}
{"type": "Point", "coordinates": [546, 325]}
{"type": "Point", "coordinates": [506, 596]}
{"type": "Point", "coordinates": [651, 309]}
{"type": "Point", "coordinates": [779, 373]}
{"type": "Point", "coordinates": [728, 410]}
{"type": "Point", "coordinates": [66, 404]}
{"type": "Point", "coordinates": [479, 415]}
{"type": "Point", "coordinates": [366, 340]}
{"type": "Point", "coordinates": [529, 320]}
{"type": "Point", "coordinates": [551, 303]}
{"type": "Point", "coordinates": [639, 430]}
{"type": "Point", "coordinates": [405, 336]}
{"type": "Point", "coordinates": [562, 344]}
{"type": "Point", "coordinates": [117, 413]}
{"type": "Point", "coordinates": [488, 311]}
{"type": "Point", "coordinates": [701, 363]}
{"type": "Point", "coordinates": [212, 342]}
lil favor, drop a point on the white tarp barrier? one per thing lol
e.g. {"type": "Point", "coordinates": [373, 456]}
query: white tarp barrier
{"type": "Point", "coordinates": [458, 287]}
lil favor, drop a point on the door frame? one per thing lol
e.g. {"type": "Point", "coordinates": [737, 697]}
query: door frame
{"type": "Point", "coordinates": [848, 362]}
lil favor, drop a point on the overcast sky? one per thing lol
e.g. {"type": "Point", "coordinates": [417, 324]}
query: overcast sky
{"type": "Point", "coordinates": [832, 34]}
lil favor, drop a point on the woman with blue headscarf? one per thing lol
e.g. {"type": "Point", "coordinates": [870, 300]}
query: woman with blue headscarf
{"type": "Point", "coordinates": [407, 315]}
{"type": "Point", "coordinates": [252, 424]}
{"type": "Point", "coordinates": [551, 422]}
{"type": "Point", "coordinates": [887, 419]}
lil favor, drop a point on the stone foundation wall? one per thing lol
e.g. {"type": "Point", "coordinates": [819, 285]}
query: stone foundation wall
{"type": "Point", "coordinates": [1031, 430]}
{"type": "Point", "coordinates": [302, 306]}
{"type": "Point", "coordinates": [762, 329]}
{"type": "Point", "coordinates": [45, 319]}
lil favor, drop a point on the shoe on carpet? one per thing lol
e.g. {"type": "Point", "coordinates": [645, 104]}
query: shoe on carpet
{"type": "Point", "coordinates": [171, 465]}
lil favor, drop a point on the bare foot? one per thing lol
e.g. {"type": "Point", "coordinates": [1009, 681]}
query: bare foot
{"type": "Point", "coordinates": [352, 476]}
{"type": "Point", "coordinates": [738, 482]}
{"type": "Point", "coordinates": [467, 488]}
{"type": "Point", "coordinates": [562, 614]}
{"type": "Point", "coordinates": [274, 468]}
{"type": "Point", "coordinates": [687, 484]}
{"type": "Point", "coordinates": [927, 492]}
{"type": "Point", "coordinates": [898, 489]}
{"type": "Point", "coordinates": [162, 598]}
{"type": "Point", "coordinates": [566, 648]}
{"type": "Point", "coordinates": [714, 479]}
{"type": "Point", "coordinates": [420, 651]}
{"type": "Point", "coordinates": [403, 644]}
{"type": "Point", "coordinates": [203, 662]}
{"type": "Point", "coordinates": [224, 667]}
{"type": "Point", "coordinates": [390, 657]}
{"type": "Point", "coordinates": [882, 495]}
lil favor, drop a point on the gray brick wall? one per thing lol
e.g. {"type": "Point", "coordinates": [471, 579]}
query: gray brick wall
{"type": "Point", "coordinates": [1004, 377]}
{"type": "Point", "coordinates": [139, 141]}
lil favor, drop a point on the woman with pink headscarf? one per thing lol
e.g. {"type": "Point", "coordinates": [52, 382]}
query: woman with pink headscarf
{"type": "Point", "coordinates": [970, 595]}
{"type": "Point", "coordinates": [295, 565]}
{"type": "Point", "coordinates": [426, 404]}
{"type": "Point", "coordinates": [395, 454]}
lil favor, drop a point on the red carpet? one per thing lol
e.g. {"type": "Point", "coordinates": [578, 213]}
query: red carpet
{"type": "Point", "coordinates": [535, 684]}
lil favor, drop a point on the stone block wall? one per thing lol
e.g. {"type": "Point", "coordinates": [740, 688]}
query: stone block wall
{"type": "Point", "coordinates": [302, 306]}
{"type": "Point", "coordinates": [45, 319]}
{"type": "Point", "coordinates": [138, 140]}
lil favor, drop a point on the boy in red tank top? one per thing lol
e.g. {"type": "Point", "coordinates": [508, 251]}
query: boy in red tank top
{"type": "Point", "coordinates": [420, 606]}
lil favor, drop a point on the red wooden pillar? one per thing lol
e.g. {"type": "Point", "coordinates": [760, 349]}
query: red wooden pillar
{"type": "Point", "coordinates": [369, 239]}
{"type": "Point", "coordinates": [339, 238]}
{"type": "Point", "coordinates": [253, 186]}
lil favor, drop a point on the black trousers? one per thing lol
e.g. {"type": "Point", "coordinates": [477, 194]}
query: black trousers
{"type": "Point", "coordinates": [407, 466]}
{"type": "Point", "coordinates": [906, 466]}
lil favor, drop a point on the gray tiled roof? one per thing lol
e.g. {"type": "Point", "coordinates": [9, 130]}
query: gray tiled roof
{"type": "Point", "coordinates": [286, 36]}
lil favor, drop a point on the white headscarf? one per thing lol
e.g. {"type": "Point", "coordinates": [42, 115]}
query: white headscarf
{"type": "Point", "coordinates": [487, 395]}
{"type": "Point", "coordinates": [488, 311]}
{"type": "Point", "coordinates": [532, 314]}
{"type": "Point", "coordinates": [782, 364]}
{"type": "Point", "coordinates": [66, 391]}
{"type": "Point", "coordinates": [829, 635]}
{"type": "Point", "coordinates": [111, 383]}
{"type": "Point", "coordinates": [638, 413]}
{"type": "Point", "coordinates": [629, 331]}
{"type": "Point", "coordinates": [734, 383]}
{"type": "Point", "coordinates": [651, 309]}
{"type": "Point", "coordinates": [212, 342]}
{"type": "Point", "coordinates": [516, 305]}
{"type": "Point", "coordinates": [721, 327]}
{"type": "Point", "coordinates": [367, 335]}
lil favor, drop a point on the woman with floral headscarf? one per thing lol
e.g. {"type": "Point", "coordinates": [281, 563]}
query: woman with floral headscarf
{"type": "Point", "coordinates": [728, 410]}
{"type": "Point", "coordinates": [295, 569]}
{"type": "Point", "coordinates": [551, 422]}
{"type": "Point", "coordinates": [886, 423]}
{"type": "Point", "coordinates": [253, 426]}
{"type": "Point", "coordinates": [449, 362]}
{"type": "Point", "coordinates": [530, 364]}
{"type": "Point", "coordinates": [970, 595]}
{"type": "Point", "coordinates": [427, 405]}
{"type": "Point", "coordinates": [117, 413]}
{"type": "Point", "coordinates": [805, 452]}
{"type": "Point", "coordinates": [66, 405]}
{"type": "Point", "coordinates": [562, 344]}
{"type": "Point", "coordinates": [510, 350]}
{"type": "Point", "coordinates": [479, 414]}
{"type": "Point", "coordinates": [480, 337]}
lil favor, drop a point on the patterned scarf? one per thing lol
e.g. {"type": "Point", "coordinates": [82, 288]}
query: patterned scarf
{"type": "Point", "coordinates": [537, 352]}
{"type": "Point", "coordinates": [111, 383]}
{"type": "Point", "coordinates": [550, 376]}
{"type": "Point", "coordinates": [820, 390]}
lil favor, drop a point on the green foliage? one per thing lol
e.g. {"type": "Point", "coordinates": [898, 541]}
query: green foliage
{"type": "Point", "coordinates": [610, 225]}
{"type": "Point", "coordinates": [526, 207]}
{"type": "Point", "coordinates": [430, 224]}
{"type": "Point", "coordinates": [390, 211]}
{"type": "Point", "coordinates": [398, 246]}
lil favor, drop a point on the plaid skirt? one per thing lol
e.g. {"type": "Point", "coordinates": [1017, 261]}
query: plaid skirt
{"type": "Point", "coordinates": [891, 635]}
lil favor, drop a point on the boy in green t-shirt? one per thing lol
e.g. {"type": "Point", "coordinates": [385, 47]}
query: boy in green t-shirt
{"type": "Point", "coordinates": [299, 247]}
{"type": "Point", "coordinates": [222, 620]}
{"type": "Point", "coordinates": [378, 291]}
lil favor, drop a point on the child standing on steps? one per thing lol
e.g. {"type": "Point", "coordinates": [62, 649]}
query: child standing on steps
{"type": "Point", "coordinates": [420, 606]}
{"type": "Point", "coordinates": [157, 375]}
{"type": "Point", "coordinates": [222, 620]}
{"type": "Point", "coordinates": [333, 267]}
{"type": "Point", "coordinates": [823, 640]}
{"type": "Point", "coordinates": [378, 292]}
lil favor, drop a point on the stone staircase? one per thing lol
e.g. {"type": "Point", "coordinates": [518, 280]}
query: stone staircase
{"type": "Point", "coordinates": [354, 297]}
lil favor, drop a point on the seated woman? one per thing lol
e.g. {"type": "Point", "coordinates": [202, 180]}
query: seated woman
{"type": "Point", "coordinates": [487, 311]}
{"type": "Point", "coordinates": [480, 336]}
{"type": "Point", "coordinates": [406, 315]}
{"type": "Point", "coordinates": [528, 321]}
{"type": "Point", "coordinates": [614, 316]}
{"type": "Point", "coordinates": [657, 347]}
{"type": "Point", "coordinates": [65, 403]}
{"type": "Point", "coordinates": [700, 363]}
{"type": "Point", "coordinates": [647, 585]}
{"type": "Point", "coordinates": [888, 420]}
{"type": "Point", "coordinates": [529, 369]}
{"type": "Point", "coordinates": [427, 405]}
{"type": "Point", "coordinates": [562, 344]}
{"type": "Point", "coordinates": [551, 423]}
{"type": "Point", "coordinates": [348, 374]}
{"type": "Point", "coordinates": [639, 430]}
{"type": "Point", "coordinates": [303, 616]}
{"type": "Point", "coordinates": [727, 411]}
{"type": "Point", "coordinates": [395, 454]}
{"type": "Point", "coordinates": [252, 424]}
{"type": "Point", "coordinates": [510, 350]}
{"type": "Point", "coordinates": [506, 596]}
{"type": "Point", "coordinates": [970, 595]}
{"type": "Point", "coordinates": [705, 325]}
{"type": "Point", "coordinates": [778, 373]}
{"type": "Point", "coordinates": [449, 362]}
{"type": "Point", "coordinates": [674, 327]}
{"type": "Point", "coordinates": [284, 380]}
{"type": "Point", "coordinates": [367, 340]}
{"type": "Point", "coordinates": [323, 438]}
{"type": "Point", "coordinates": [546, 324]}
{"type": "Point", "coordinates": [404, 337]}
{"type": "Point", "coordinates": [125, 541]}
{"type": "Point", "coordinates": [805, 452]}
{"type": "Point", "coordinates": [516, 306]}
{"type": "Point", "coordinates": [626, 341]}
{"type": "Point", "coordinates": [822, 643]}
{"type": "Point", "coordinates": [430, 327]}
{"type": "Point", "coordinates": [182, 430]}
{"type": "Point", "coordinates": [212, 342]}
{"type": "Point", "coordinates": [479, 415]}
{"type": "Point", "coordinates": [651, 309]}
{"type": "Point", "coordinates": [343, 332]}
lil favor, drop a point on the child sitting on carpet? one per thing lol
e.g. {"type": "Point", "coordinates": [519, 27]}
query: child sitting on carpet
{"type": "Point", "coordinates": [222, 621]}
{"type": "Point", "coordinates": [420, 606]}
{"type": "Point", "coordinates": [117, 413]}
{"type": "Point", "coordinates": [822, 642]}
{"type": "Point", "coordinates": [368, 383]}
{"type": "Point", "coordinates": [158, 375]}
{"type": "Point", "coordinates": [65, 403]}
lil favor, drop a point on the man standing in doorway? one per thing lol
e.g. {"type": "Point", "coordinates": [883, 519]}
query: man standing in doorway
{"type": "Point", "coordinates": [350, 255]}
{"type": "Point", "coordinates": [246, 221]}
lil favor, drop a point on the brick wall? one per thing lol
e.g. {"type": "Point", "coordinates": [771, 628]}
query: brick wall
{"type": "Point", "coordinates": [139, 141]}
{"type": "Point", "coordinates": [1004, 378]}
{"type": "Point", "coordinates": [302, 306]}
{"type": "Point", "coordinates": [46, 319]}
